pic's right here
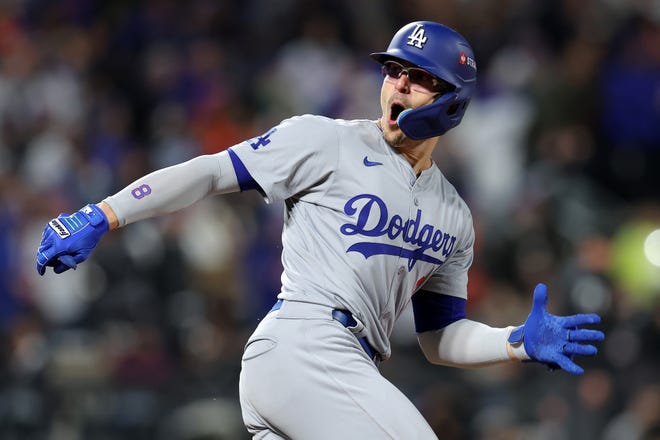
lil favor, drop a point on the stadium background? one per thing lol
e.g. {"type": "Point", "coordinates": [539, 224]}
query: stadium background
{"type": "Point", "coordinates": [558, 157]}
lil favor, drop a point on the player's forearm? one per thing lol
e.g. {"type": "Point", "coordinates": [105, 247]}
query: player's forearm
{"type": "Point", "coordinates": [467, 343]}
{"type": "Point", "coordinates": [171, 189]}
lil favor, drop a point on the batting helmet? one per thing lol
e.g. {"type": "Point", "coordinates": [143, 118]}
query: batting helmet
{"type": "Point", "coordinates": [443, 52]}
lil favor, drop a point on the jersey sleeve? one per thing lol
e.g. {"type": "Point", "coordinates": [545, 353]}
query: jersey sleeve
{"type": "Point", "coordinates": [443, 298]}
{"type": "Point", "coordinates": [452, 277]}
{"type": "Point", "coordinates": [296, 157]}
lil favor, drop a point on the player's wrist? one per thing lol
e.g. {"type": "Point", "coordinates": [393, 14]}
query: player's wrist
{"type": "Point", "coordinates": [515, 347]}
{"type": "Point", "coordinates": [96, 217]}
{"type": "Point", "coordinates": [109, 213]}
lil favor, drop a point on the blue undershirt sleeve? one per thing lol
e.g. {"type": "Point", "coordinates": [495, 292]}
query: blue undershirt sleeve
{"type": "Point", "coordinates": [433, 311]}
{"type": "Point", "coordinates": [245, 180]}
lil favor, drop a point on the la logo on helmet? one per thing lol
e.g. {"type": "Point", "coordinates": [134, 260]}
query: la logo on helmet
{"type": "Point", "coordinates": [417, 37]}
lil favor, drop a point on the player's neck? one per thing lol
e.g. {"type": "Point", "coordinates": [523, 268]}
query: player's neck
{"type": "Point", "coordinates": [418, 160]}
{"type": "Point", "coordinates": [418, 153]}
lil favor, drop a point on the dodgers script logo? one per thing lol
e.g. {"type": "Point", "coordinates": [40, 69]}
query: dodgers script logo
{"type": "Point", "coordinates": [373, 220]}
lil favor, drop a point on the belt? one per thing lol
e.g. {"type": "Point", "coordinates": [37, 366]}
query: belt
{"type": "Point", "coordinates": [345, 318]}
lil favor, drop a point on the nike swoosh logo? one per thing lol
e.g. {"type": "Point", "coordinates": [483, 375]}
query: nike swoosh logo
{"type": "Point", "coordinates": [368, 163]}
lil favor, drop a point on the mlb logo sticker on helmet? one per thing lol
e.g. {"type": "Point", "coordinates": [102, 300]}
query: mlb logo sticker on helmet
{"type": "Point", "coordinates": [464, 59]}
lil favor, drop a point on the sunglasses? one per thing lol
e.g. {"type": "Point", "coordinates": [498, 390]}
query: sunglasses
{"type": "Point", "coordinates": [420, 79]}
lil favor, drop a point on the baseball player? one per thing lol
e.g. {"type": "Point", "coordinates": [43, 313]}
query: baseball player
{"type": "Point", "coordinates": [371, 224]}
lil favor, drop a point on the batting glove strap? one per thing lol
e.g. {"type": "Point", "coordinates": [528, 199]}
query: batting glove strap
{"type": "Point", "coordinates": [69, 239]}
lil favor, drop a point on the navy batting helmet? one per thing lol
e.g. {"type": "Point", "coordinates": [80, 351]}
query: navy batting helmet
{"type": "Point", "coordinates": [443, 52]}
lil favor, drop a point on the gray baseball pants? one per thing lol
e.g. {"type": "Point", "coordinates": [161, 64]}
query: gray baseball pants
{"type": "Point", "coordinates": [305, 376]}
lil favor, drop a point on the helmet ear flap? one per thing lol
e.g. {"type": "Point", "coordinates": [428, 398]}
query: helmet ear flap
{"type": "Point", "coordinates": [458, 107]}
{"type": "Point", "coordinates": [434, 119]}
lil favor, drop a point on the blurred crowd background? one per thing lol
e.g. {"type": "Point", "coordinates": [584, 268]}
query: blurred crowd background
{"type": "Point", "coordinates": [558, 157]}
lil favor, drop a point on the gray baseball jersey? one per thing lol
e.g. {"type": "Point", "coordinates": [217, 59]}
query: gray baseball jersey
{"type": "Point", "coordinates": [362, 232]}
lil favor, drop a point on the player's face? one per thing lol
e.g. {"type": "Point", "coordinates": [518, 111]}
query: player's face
{"type": "Point", "coordinates": [404, 87]}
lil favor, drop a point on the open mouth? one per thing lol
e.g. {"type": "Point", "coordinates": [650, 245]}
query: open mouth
{"type": "Point", "coordinates": [395, 110]}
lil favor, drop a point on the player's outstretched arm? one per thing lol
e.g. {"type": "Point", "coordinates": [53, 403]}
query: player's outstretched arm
{"type": "Point", "coordinates": [69, 239]}
{"type": "Point", "coordinates": [544, 338]}
{"type": "Point", "coordinates": [554, 340]}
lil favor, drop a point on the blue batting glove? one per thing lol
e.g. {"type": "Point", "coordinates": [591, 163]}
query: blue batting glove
{"type": "Point", "coordinates": [554, 340]}
{"type": "Point", "coordinates": [69, 239]}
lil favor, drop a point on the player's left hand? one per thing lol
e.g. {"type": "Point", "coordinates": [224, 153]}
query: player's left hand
{"type": "Point", "coordinates": [554, 340]}
{"type": "Point", "coordinates": [69, 239]}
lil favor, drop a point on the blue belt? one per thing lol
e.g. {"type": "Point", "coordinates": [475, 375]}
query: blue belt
{"type": "Point", "coordinates": [345, 318]}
